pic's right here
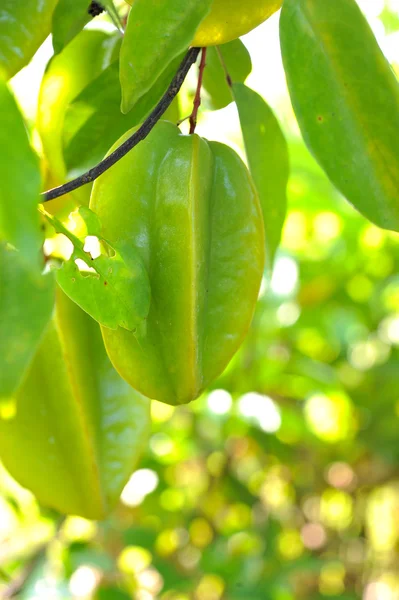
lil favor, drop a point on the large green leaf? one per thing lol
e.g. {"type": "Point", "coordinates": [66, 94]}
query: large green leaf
{"type": "Point", "coordinates": [94, 122]}
{"type": "Point", "coordinates": [20, 182]}
{"type": "Point", "coordinates": [26, 304]}
{"type": "Point", "coordinates": [268, 161]}
{"type": "Point", "coordinates": [238, 63]}
{"type": "Point", "coordinates": [346, 99]}
{"type": "Point", "coordinates": [24, 25]}
{"type": "Point", "coordinates": [70, 16]}
{"type": "Point", "coordinates": [156, 33]}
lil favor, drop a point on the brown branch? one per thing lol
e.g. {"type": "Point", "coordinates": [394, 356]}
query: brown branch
{"type": "Point", "coordinates": [197, 98]}
{"type": "Point", "coordinates": [137, 137]}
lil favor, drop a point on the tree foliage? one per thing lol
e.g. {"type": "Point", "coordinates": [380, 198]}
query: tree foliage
{"type": "Point", "coordinates": [281, 481]}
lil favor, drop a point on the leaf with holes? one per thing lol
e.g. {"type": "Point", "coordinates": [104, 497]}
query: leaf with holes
{"type": "Point", "coordinates": [114, 289]}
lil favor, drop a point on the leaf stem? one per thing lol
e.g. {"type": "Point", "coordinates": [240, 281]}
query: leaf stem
{"type": "Point", "coordinates": [197, 97]}
{"type": "Point", "coordinates": [227, 74]}
{"type": "Point", "coordinates": [137, 137]}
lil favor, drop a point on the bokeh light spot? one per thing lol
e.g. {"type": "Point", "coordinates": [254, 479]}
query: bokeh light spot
{"type": "Point", "coordinates": [140, 484]}
{"type": "Point", "coordinates": [261, 409]}
{"type": "Point", "coordinates": [219, 401]}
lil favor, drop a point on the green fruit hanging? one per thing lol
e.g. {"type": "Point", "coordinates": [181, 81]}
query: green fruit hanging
{"type": "Point", "coordinates": [76, 430]}
{"type": "Point", "coordinates": [190, 209]}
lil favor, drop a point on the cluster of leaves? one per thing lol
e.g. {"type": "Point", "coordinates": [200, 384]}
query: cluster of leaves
{"type": "Point", "coordinates": [82, 111]}
{"type": "Point", "coordinates": [281, 481]}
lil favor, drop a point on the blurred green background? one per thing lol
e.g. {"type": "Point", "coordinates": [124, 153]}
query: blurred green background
{"type": "Point", "coordinates": [282, 482]}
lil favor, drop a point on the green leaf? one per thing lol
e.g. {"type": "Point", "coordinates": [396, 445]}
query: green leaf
{"type": "Point", "coordinates": [238, 64]}
{"type": "Point", "coordinates": [66, 76]}
{"type": "Point", "coordinates": [26, 305]}
{"type": "Point", "coordinates": [24, 25]}
{"type": "Point", "coordinates": [113, 13]}
{"type": "Point", "coordinates": [115, 289]}
{"type": "Point", "coordinates": [70, 16]}
{"type": "Point", "coordinates": [94, 122]}
{"type": "Point", "coordinates": [156, 33]}
{"type": "Point", "coordinates": [268, 161]}
{"type": "Point", "coordinates": [346, 99]}
{"type": "Point", "coordinates": [20, 182]}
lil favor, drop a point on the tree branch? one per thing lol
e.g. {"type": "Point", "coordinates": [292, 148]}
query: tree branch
{"type": "Point", "coordinates": [137, 137]}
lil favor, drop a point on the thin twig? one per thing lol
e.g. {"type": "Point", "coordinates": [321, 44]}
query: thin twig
{"type": "Point", "coordinates": [137, 137]}
{"type": "Point", "coordinates": [197, 97]}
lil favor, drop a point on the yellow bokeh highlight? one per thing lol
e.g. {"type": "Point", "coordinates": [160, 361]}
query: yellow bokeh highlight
{"type": "Point", "coordinates": [276, 492]}
{"type": "Point", "coordinates": [336, 509]}
{"type": "Point", "coordinates": [235, 517]}
{"type": "Point", "coordinates": [201, 533]}
{"type": "Point", "coordinates": [327, 226]}
{"type": "Point", "coordinates": [290, 544]}
{"type": "Point", "coordinates": [295, 232]}
{"type": "Point", "coordinates": [390, 296]}
{"type": "Point", "coordinates": [330, 417]}
{"type": "Point", "coordinates": [311, 343]}
{"type": "Point", "coordinates": [77, 529]}
{"type": "Point", "coordinates": [382, 518]}
{"type": "Point", "coordinates": [8, 409]}
{"type": "Point", "coordinates": [372, 237]}
{"type": "Point", "coordinates": [167, 542]}
{"type": "Point", "coordinates": [244, 544]}
{"type": "Point", "coordinates": [134, 559]}
{"type": "Point", "coordinates": [161, 412]}
{"type": "Point", "coordinates": [211, 587]}
{"type": "Point", "coordinates": [172, 499]}
{"type": "Point", "coordinates": [360, 288]}
{"type": "Point", "coordinates": [215, 463]}
{"type": "Point", "coordinates": [331, 581]}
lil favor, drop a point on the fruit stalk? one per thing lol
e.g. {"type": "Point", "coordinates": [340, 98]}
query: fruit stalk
{"type": "Point", "coordinates": [197, 97]}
